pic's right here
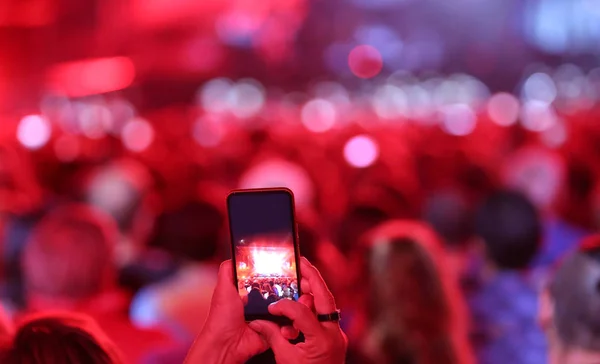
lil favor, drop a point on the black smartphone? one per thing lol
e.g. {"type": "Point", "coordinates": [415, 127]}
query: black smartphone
{"type": "Point", "coordinates": [265, 252]}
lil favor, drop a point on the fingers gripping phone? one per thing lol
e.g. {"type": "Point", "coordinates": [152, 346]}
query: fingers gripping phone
{"type": "Point", "coordinates": [264, 243]}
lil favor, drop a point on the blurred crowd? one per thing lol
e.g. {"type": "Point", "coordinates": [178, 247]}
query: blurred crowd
{"type": "Point", "coordinates": [436, 244]}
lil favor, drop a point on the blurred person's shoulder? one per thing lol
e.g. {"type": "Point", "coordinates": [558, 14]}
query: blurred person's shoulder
{"type": "Point", "coordinates": [134, 342]}
{"type": "Point", "coordinates": [191, 280]}
{"type": "Point", "coordinates": [560, 237]}
{"type": "Point", "coordinates": [180, 302]}
{"type": "Point", "coordinates": [507, 292]}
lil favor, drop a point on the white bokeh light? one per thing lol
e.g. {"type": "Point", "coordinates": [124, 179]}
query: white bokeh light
{"type": "Point", "coordinates": [538, 116]}
{"type": "Point", "coordinates": [121, 112]}
{"type": "Point", "coordinates": [473, 91]}
{"type": "Point", "coordinates": [333, 92]}
{"type": "Point", "coordinates": [95, 120]}
{"type": "Point", "coordinates": [539, 87]}
{"type": "Point", "coordinates": [458, 119]}
{"type": "Point", "coordinates": [361, 151]}
{"type": "Point", "coordinates": [449, 92]}
{"type": "Point", "coordinates": [503, 108]}
{"type": "Point", "coordinates": [319, 115]}
{"type": "Point", "coordinates": [390, 102]}
{"type": "Point", "coordinates": [214, 95]}
{"type": "Point", "coordinates": [420, 102]}
{"type": "Point", "coordinates": [34, 131]}
{"type": "Point", "coordinates": [246, 98]}
{"type": "Point", "coordinates": [137, 135]}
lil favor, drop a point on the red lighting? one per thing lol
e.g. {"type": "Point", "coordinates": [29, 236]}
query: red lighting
{"type": "Point", "coordinates": [67, 148]}
{"type": "Point", "coordinates": [29, 14]}
{"type": "Point", "coordinates": [92, 76]}
{"type": "Point", "coordinates": [365, 61]}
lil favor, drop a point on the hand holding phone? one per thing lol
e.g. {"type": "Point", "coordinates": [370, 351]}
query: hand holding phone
{"type": "Point", "coordinates": [325, 343]}
{"type": "Point", "coordinates": [264, 249]}
{"type": "Point", "coordinates": [225, 337]}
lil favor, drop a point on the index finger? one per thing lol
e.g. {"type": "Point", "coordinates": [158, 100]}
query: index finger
{"type": "Point", "coordinates": [302, 317]}
{"type": "Point", "coordinates": [324, 301]}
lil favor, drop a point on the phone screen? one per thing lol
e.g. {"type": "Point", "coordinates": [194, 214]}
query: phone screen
{"type": "Point", "coordinates": [263, 234]}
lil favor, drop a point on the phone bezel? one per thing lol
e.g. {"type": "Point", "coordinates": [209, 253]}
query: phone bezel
{"type": "Point", "coordinates": [278, 319]}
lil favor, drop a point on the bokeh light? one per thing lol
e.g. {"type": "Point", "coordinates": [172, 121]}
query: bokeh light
{"type": "Point", "coordinates": [365, 61]}
{"type": "Point", "coordinates": [459, 119]}
{"type": "Point", "coordinates": [137, 135]}
{"type": "Point", "coordinates": [246, 98]}
{"type": "Point", "coordinates": [390, 102]}
{"type": "Point", "coordinates": [95, 120]}
{"type": "Point", "coordinates": [318, 115]}
{"type": "Point", "coordinates": [121, 112]}
{"type": "Point", "coordinates": [448, 92]}
{"type": "Point", "coordinates": [332, 92]}
{"type": "Point", "coordinates": [503, 108]}
{"type": "Point", "coordinates": [214, 95]}
{"type": "Point", "coordinates": [361, 151]}
{"type": "Point", "coordinates": [555, 136]}
{"type": "Point", "coordinates": [207, 132]}
{"type": "Point", "coordinates": [472, 91]}
{"type": "Point", "coordinates": [420, 102]}
{"type": "Point", "coordinates": [34, 131]}
{"type": "Point", "coordinates": [538, 116]}
{"type": "Point", "coordinates": [91, 76]}
{"type": "Point", "coordinates": [539, 87]}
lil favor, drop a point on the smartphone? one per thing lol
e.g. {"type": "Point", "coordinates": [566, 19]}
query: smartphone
{"type": "Point", "coordinates": [264, 244]}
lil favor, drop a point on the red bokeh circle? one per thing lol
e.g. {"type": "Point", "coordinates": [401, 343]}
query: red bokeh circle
{"type": "Point", "coordinates": [365, 61]}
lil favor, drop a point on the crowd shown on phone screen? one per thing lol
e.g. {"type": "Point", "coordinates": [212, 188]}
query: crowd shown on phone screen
{"type": "Point", "coordinates": [276, 288]}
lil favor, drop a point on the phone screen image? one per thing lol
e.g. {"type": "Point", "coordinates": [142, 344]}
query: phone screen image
{"type": "Point", "coordinates": [263, 234]}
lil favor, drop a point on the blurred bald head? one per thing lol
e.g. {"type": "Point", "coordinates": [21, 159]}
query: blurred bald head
{"type": "Point", "coordinates": [70, 253]}
{"type": "Point", "coordinates": [575, 292]}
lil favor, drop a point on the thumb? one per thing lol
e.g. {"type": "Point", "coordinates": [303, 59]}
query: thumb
{"type": "Point", "coordinates": [225, 288]}
{"type": "Point", "coordinates": [272, 333]}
